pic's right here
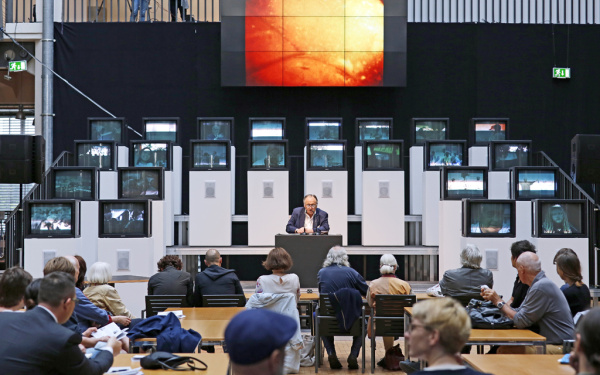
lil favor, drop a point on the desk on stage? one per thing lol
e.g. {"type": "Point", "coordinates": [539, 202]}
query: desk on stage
{"type": "Point", "coordinates": [308, 252]}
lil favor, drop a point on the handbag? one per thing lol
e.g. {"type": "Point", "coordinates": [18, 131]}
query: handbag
{"type": "Point", "coordinates": [170, 361]}
{"type": "Point", "coordinates": [485, 315]}
{"type": "Point", "coordinates": [393, 357]}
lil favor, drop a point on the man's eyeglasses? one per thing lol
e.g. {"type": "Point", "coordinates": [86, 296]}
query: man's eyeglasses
{"type": "Point", "coordinates": [74, 299]}
{"type": "Point", "coordinates": [311, 205]}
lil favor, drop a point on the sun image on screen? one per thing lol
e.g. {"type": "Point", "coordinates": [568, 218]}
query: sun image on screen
{"type": "Point", "coordinates": [564, 218]}
{"type": "Point", "coordinates": [73, 184]}
{"type": "Point", "coordinates": [383, 156]}
{"type": "Point", "coordinates": [210, 156]}
{"type": "Point", "coordinates": [324, 130]}
{"type": "Point", "coordinates": [161, 130]}
{"type": "Point", "coordinates": [536, 184]}
{"type": "Point", "coordinates": [106, 130]}
{"type": "Point", "coordinates": [314, 42]}
{"type": "Point", "coordinates": [51, 218]}
{"type": "Point", "coordinates": [486, 131]}
{"type": "Point", "coordinates": [490, 218]}
{"type": "Point", "coordinates": [268, 155]}
{"type": "Point", "coordinates": [123, 218]}
{"type": "Point", "coordinates": [430, 131]}
{"type": "Point", "coordinates": [373, 129]}
{"type": "Point", "coordinates": [150, 154]}
{"type": "Point", "coordinates": [465, 184]}
{"type": "Point", "coordinates": [94, 155]}
{"type": "Point", "coordinates": [324, 155]}
{"type": "Point", "coordinates": [445, 154]}
{"type": "Point", "coordinates": [142, 183]}
{"type": "Point", "coordinates": [510, 155]}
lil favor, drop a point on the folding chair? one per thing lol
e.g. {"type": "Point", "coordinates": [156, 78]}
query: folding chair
{"type": "Point", "coordinates": [387, 318]}
{"type": "Point", "coordinates": [156, 304]}
{"type": "Point", "coordinates": [224, 300]}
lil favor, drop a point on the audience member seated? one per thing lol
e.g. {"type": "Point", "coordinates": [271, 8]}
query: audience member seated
{"type": "Point", "coordinates": [80, 282]}
{"type": "Point", "coordinates": [439, 329]}
{"type": "Point", "coordinates": [337, 274]}
{"type": "Point", "coordinates": [279, 262]}
{"type": "Point", "coordinates": [388, 283]}
{"type": "Point", "coordinates": [13, 283]}
{"type": "Point", "coordinates": [215, 279]}
{"type": "Point", "coordinates": [568, 268]}
{"type": "Point", "coordinates": [103, 295]}
{"type": "Point", "coordinates": [545, 308]}
{"type": "Point", "coordinates": [171, 280]}
{"type": "Point", "coordinates": [31, 294]}
{"type": "Point", "coordinates": [519, 289]}
{"type": "Point", "coordinates": [585, 357]}
{"type": "Point", "coordinates": [256, 340]}
{"type": "Point", "coordinates": [35, 343]}
{"type": "Point", "coordinates": [465, 283]}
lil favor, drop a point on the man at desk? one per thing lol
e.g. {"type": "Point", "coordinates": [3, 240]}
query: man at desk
{"type": "Point", "coordinates": [308, 219]}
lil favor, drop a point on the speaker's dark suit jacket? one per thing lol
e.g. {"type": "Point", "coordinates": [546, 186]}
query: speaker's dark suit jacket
{"type": "Point", "coordinates": [320, 220]}
{"type": "Point", "coordinates": [33, 343]}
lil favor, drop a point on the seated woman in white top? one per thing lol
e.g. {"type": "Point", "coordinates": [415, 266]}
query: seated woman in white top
{"type": "Point", "coordinates": [278, 261]}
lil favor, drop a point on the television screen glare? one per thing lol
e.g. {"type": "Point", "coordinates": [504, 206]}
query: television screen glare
{"type": "Point", "coordinates": [373, 130]}
{"type": "Point", "coordinates": [215, 130]}
{"type": "Point", "coordinates": [384, 156]}
{"type": "Point", "coordinates": [490, 218]}
{"type": "Point", "coordinates": [324, 155]}
{"type": "Point", "coordinates": [140, 183]}
{"type": "Point", "coordinates": [445, 154]}
{"type": "Point", "coordinates": [536, 184]}
{"type": "Point", "coordinates": [150, 154]}
{"type": "Point", "coordinates": [324, 130]}
{"type": "Point", "coordinates": [106, 130]}
{"type": "Point", "coordinates": [51, 218]}
{"type": "Point", "coordinates": [266, 130]}
{"type": "Point", "coordinates": [94, 155]}
{"type": "Point", "coordinates": [210, 156]}
{"type": "Point", "coordinates": [124, 218]}
{"type": "Point", "coordinates": [73, 184]}
{"type": "Point", "coordinates": [161, 130]}
{"type": "Point", "coordinates": [268, 155]}
{"type": "Point", "coordinates": [486, 131]}
{"type": "Point", "coordinates": [465, 184]}
{"type": "Point", "coordinates": [510, 155]}
{"type": "Point", "coordinates": [561, 219]}
{"type": "Point", "coordinates": [426, 130]}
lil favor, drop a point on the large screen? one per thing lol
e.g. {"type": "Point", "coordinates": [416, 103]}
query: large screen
{"type": "Point", "coordinates": [141, 183]}
{"type": "Point", "coordinates": [324, 129]}
{"type": "Point", "coordinates": [100, 154]}
{"type": "Point", "coordinates": [560, 218]}
{"type": "Point", "coordinates": [267, 128]}
{"type": "Point", "coordinates": [107, 129]}
{"type": "Point", "coordinates": [210, 155]}
{"type": "Point", "coordinates": [161, 129]}
{"type": "Point", "coordinates": [51, 219]}
{"type": "Point", "coordinates": [488, 218]}
{"type": "Point", "coordinates": [504, 155]}
{"type": "Point", "coordinates": [313, 43]}
{"type": "Point", "coordinates": [268, 155]}
{"type": "Point", "coordinates": [215, 128]}
{"type": "Point", "coordinates": [534, 182]}
{"type": "Point", "coordinates": [444, 153]}
{"type": "Point", "coordinates": [429, 129]}
{"type": "Point", "coordinates": [485, 130]}
{"type": "Point", "coordinates": [464, 182]}
{"type": "Point", "coordinates": [124, 219]}
{"type": "Point", "coordinates": [74, 183]}
{"type": "Point", "coordinates": [150, 154]}
{"type": "Point", "coordinates": [383, 155]}
{"type": "Point", "coordinates": [369, 129]}
{"type": "Point", "coordinates": [326, 155]}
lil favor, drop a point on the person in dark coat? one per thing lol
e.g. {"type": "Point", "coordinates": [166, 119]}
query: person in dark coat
{"type": "Point", "coordinates": [171, 280]}
{"type": "Point", "coordinates": [215, 279]}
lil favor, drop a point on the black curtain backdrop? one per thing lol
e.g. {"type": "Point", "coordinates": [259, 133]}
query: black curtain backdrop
{"type": "Point", "coordinates": [458, 71]}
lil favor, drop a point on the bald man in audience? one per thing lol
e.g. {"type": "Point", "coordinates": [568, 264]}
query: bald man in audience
{"type": "Point", "coordinates": [215, 279]}
{"type": "Point", "coordinates": [544, 307]}
{"type": "Point", "coordinates": [13, 283]}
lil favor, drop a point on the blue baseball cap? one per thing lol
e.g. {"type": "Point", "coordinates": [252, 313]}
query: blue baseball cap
{"type": "Point", "coordinates": [253, 335]}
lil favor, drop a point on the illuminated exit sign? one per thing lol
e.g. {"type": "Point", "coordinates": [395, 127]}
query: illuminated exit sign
{"type": "Point", "coordinates": [17, 66]}
{"type": "Point", "coordinates": [561, 73]}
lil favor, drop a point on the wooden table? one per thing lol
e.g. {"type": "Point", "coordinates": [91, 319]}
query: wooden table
{"type": "Point", "coordinates": [210, 322]}
{"type": "Point", "coordinates": [208, 313]}
{"type": "Point", "coordinates": [217, 363]}
{"type": "Point", "coordinates": [518, 364]}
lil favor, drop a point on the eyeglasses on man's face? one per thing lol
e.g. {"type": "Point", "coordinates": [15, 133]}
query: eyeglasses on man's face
{"type": "Point", "coordinates": [311, 205]}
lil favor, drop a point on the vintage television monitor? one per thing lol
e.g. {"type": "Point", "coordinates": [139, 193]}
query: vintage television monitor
{"type": "Point", "coordinates": [429, 129]}
{"type": "Point", "coordinates": [124, 218]}
{"type": "Point", "coordinates": [464, 182]}
{"type": "Point", "coordinates": [142, 183]}
{"type": "Point", "coordinates": [559, 218]}
{"type": "Point", "coordinates": [372, 129]}
{"type": "Point", "coordinates": [74, 183]}
{"type": "Point", "coordinates": [267, 128]}
{"type": "Point", "coordinates": [323, 128]}
{"type": "Point", "coordinates": [326, 155]}
{"type": "Point", "coordinates": [488, 218]}
{"type": "Point", "coordinates": [215, 128]}
{"type": "Point", "coordinates": [161, 129]}
{"type": "Point", "coordinates": [51, 218]}
{"type": "Point", "coordinates": [210, 155]}
{"type": "Point", "coordinates": [100, 154]}
{"type": "Point", "coordinates": [383, 155]}
{"type": "Point", "coordinates": [485, 130]}
{"type": "Point", "coordinates": [268, 155]}
{"type": "Point", "coordinates": [534, 183]}
{"type": "Point", "coordinates": [107, 129]}
{"type": "Point", "coordinates": [150, 154]}
{"type": "Point", "coordinates": [445, 153]}
{"type": "Point", "coordinates": [504, 155]}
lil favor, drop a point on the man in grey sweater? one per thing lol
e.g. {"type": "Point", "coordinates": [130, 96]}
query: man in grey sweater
{"type": "Point", "coordinates": [545, 307]}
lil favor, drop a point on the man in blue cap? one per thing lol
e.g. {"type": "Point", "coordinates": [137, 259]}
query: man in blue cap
{"type": "Point", "coordinates": [256, 341]}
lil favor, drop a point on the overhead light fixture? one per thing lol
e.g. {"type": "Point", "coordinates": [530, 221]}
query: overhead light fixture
{"type": "Point", "coordinates": [20, 114]}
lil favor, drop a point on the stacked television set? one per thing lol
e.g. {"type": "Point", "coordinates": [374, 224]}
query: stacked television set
{"type": "Point", "coordinates": [74, 183]}
{"type": "Point", "coordinates": [210, 155]}
{"type": "Point", "coordinates": [534, 183]}
{"type": "Point", "coordinates": [100, 154]}
{"type": "Point", "coordinates": [383, 155]}
{"type": "Point", "coordinates": [268, 155]}
{"type": "Point", "coordinates": [144, 153]}
{"type": "Point", "coordinates": [124, 218]}
{"type": "Point", "coordinates": [57, 218]}
{"type": "Point", "coordinates": [161, 129]}
{"type": "Point", "coordinates": [371, 129]}
{"type": "Point", "coordinates": [107, 129]}
{"type": "Point", "coordinates": [489, 218]}
{"type": "Point", "coordinates": [323, 128]}
{"type": "Point", "coordinates": [267, 128]}
{"type": "Point", "coordinates": [445, 153]}
{"type": "Point", "coordinates": [464, 182]}
{"type": "Point", "coordinates": [485, 130]}
{"type": "Point", "coordinates": [141, 183]}
{"type": "Point", "coordinates": [215, 128]}
{"type": "Point", "coordinates": [326, 155]}
{"type": "Point", "coordinates": [559, 218]}
{"type": "Point", "coordinates": [504, 155]}
{"type": "Point", "coordinates": [429, 129]}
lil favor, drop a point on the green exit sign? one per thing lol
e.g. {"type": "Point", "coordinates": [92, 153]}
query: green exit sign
{"type": "Point", "coordinates": [561, 73]}
{"type": "Point", "coordinates": [17, 66]}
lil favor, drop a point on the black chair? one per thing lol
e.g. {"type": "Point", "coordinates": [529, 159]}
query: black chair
{"type": "Point", "coordinates": [387, 318]}
{"type": "Point", "coordinates": [327, 325]}
{"type": "Point", "coordinates": [224, 300]}
{"type": "Point", "coordinates": [156, 304]}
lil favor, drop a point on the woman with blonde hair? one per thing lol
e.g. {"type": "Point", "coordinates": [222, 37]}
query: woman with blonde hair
{"type": "Point", "coordinates": [103, 295]}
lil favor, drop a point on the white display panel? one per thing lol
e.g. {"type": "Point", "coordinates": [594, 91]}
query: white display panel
{"type": "Point", "coordinates": [499, 185]}
{"type": "Point", "coordinates": [478, 156]}
{"type": "Point", "coordinates": [358, 180]}
{"type": "Point", "coordinates": [109, 184]}
{"type": "Point", "coordinates": [431, 201]}
{"type": "Point", "coordinates": [210, 211]}
{"type": "Point", "coordinates": [267, 216]}
{"type": "Point", "coordinates": [383, 210]}
{"type": "Point", "coordinates": [177, 178]}
{"type": "Point", "coordinates": [416, 180]}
